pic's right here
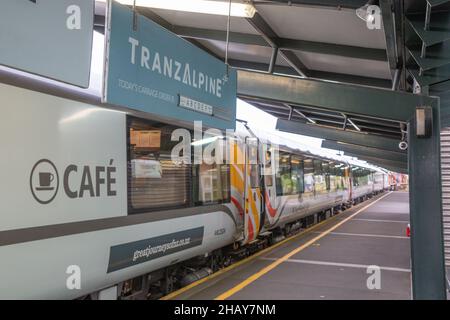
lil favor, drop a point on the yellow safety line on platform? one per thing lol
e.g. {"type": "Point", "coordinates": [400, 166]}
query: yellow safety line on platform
{"type": "Point", "coordinates": [180, 291]}
{"type": "Point", "coordinates": [273, 265]}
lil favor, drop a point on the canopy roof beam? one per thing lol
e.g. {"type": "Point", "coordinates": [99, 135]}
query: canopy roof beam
{"type": "Point", "coordinates": [394, 169]}
{"type": "Point", "coordinates": [345, 136]}
{"type": "Point", "coordinates": [283, 43]}
{"type": "Point", "coordinates": [266, 31]}
{"type": "Point", "coordinates": [378, 161]}
{"type": "Point", "coordinates": [338, 77]}
{"type": "Point", "coordinates": [338, 4]}
{"type": "Point", "coordinates": [387, 12]}
{"type": "Point", "coordinates": [349, 99]}
{"type": "Point", "coordinates": [365, 151]}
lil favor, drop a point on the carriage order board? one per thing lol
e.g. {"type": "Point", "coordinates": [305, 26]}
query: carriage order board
{"type": "Point", "coordinates": [150, 69]}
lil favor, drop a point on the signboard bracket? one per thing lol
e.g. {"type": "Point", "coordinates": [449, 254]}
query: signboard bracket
{"type": "Point", "coordinates": [135, 16]}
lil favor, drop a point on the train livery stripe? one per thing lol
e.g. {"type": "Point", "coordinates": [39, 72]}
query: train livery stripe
{"type": "Point", "coordinates": [272, 211]}
{"type": "Point", "coordinates": [16, 236]}
{"type": "Point", "coordinates": [251, 233]}
{"type": "Point", "coordinates": [236, 178]}
{"type": "Point", "coordinates": [254, 207]}
{"type": "Point", "coordinates": [237, 205]}
{"type": "Point", "coordinates": [282, 206]}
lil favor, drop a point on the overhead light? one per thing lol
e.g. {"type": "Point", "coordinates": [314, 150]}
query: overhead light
{"type": "Point", "coordinates": [363, 12]}
{"type": "Point", "coordinates": [243, 10]}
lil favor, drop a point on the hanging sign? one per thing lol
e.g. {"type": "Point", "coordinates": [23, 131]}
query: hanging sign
{"type": "Point", "coordinates": [151, 69]}
{"type": "Point", "coordinates": [49, 38]}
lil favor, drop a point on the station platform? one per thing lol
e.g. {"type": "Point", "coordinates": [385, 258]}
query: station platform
{"type": "Point", "coordinates": [327, 261]}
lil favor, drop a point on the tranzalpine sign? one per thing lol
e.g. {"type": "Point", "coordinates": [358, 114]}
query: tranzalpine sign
{"type": "Point", "coordinates": [132, 253]}
{"type": "Point", "coordinates": [49, 38]}
{"type": "Point", "coordinates": [153, 70]}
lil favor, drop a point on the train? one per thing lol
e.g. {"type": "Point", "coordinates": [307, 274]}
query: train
{"type": "Point", "coordinates": [398, 181]}
{"type": "Point", "coordinates": [94, 206]}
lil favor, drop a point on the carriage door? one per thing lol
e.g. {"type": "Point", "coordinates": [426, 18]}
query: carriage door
{"type": "Point", "coordinates": [253, 191]}
{"type": "Point", "coordinates": [269, 190]}
{"type": "Point", "coordinates": [349, 177]}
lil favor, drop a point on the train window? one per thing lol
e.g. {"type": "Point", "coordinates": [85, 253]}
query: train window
{"type": "Point", "coordinates": [253, 160]}
{"type": "Point", "coordinates": [278, 175]}
{"type": "Point", "coordinates": [355, 175]}
{"type": "Point", "coordinates": [346, 177]}
{"type": "Point", "coordinates": [363, 179]}
{"type": "Point", "coordinates": [155, 181]}
{"type": "Point", "coordinates": [326, 171]}
{"type": "Point", "coordinates": [319, 177]}
{"type": "Point", "coordinates": [252, 155]}
{"type": "Point", "coordinates": [225, 179]}
{"type": "Point", "coordinates": [297, 175]}
{"type": "Point", "coordinates": [254, 176]}
{"type": "Point", "coordinates": [268, 178]}
{"type": "Point", "coordinates": [339, 170]}
{"type": "Point", "coordinates": [211, 180]}
{"type": "Point", "coordinates": [332, 177]}
{"type": "Point", "coordinates": [318, 167]}
{"type": "Point", "coordinates": [211, 184]}
{"type": "Point", "coordinates": [360, 176]}
{"type": "Point", "coordinates": [371, 177]}
{"type": "Point", "coordinates": [308, 176]}
{"type": "Point", "coordinates": [284, 182]}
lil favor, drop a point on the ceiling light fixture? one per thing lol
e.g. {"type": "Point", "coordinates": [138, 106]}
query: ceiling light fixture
{"type": "Point", "coordinates": [243, 10]}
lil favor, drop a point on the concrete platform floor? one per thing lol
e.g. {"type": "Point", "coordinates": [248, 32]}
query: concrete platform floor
{"type": "Point", "coordinates": [328, 261]}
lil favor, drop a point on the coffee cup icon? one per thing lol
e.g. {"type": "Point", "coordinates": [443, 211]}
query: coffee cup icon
{"type": "Point", "coordinates": [45, 179]}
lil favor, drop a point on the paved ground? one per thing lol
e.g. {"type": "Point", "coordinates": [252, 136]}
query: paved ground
{"type": "Point", "coordinates": [331, 267]}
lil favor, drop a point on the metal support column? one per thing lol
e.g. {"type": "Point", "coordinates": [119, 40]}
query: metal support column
{"type": "Point", "coordinates": [427, 252]}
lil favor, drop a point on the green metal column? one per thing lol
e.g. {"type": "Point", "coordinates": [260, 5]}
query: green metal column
{"type": "Point", "coordinates": [427, 242]}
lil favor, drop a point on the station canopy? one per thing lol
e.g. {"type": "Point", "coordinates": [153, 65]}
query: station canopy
{"type": "Point", "coordinates": [316, 39]}
{"type": "Point", "coordinates": [324, 40]}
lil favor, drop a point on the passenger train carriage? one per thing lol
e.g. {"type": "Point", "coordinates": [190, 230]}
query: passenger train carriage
{"type": "Point", "coordinates": [94, 207]}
